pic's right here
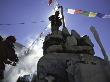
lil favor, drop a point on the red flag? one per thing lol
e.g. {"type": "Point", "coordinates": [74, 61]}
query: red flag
{"type": "Point", "coordinates": [50, 2]}
{"type": "Point", "coordinates": [78, 11]}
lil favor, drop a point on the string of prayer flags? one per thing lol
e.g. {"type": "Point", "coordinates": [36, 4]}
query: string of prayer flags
{"type": "Point", "coordinates": [87, 13]}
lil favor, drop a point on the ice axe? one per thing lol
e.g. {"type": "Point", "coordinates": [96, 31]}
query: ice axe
{"type": "Point", "coordinates": [97, 38]}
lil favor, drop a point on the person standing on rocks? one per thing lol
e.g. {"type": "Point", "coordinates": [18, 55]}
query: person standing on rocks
{"type": "Point", "coordinates": [55, 22]}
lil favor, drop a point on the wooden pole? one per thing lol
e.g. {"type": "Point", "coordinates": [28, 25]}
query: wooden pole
{"type": "Point", "coordinates": [96, 36]}
{"type": "Point", "coordinates": [62, 15]}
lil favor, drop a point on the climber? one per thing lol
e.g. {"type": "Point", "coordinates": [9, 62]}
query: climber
{"type": "Point", "coordinates": [55, 22]}
{"type": "Point", "coordinates": [7, 54]}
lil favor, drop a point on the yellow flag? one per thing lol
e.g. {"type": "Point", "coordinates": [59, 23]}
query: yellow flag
{"type": "Point", "coordinates": [92, 14]}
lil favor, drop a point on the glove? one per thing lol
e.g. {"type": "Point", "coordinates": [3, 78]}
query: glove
{"type": "Point", "coordinates": [14, 64]}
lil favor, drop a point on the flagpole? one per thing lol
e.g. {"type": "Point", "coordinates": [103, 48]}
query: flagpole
{"type": "Point", "coordinates": [96, 36]}
{"type": "Point", "coordinates": [62, 15]}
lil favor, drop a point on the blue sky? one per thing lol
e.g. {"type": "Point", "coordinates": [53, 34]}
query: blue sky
{"type": "Point", "coordinates": [34, 14]}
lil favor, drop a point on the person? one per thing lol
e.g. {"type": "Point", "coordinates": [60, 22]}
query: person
{"type": "Point", "coordinates": [55, 22]}
{"type": "Point", "coordinates": [7, 54]}
{"type": "Point", "coordinates": [9, 43]}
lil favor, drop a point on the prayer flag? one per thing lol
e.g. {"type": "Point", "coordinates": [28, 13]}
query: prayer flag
{"type": "Point", "coordinates": [86, 13]}
{"type": "Point", "coordinates": [100, 15]}
{"type": "Point", "coordinates": [92, 14]}
{"type": "Point", "coordinates": [78, 11]}
{"type": "Point", "coordinates": [71, 11]}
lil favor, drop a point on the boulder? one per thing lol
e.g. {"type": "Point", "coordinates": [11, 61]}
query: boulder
{"type": "Point", "coordinates": [52, 39]}
{"type": "Point", "coordinates": [25, 78]}
{"type": "Point", "coordinates": [75, 34]}
{"type": "Point", "coordinates": [67, 67]}
{"type": "Point", "coordinates": [65, 32]}
{"type": "Point", "coordinates": [85, 40]}
{"type": "Point", "coordinates": [70, 58]}
{"type": "Point", "coordinates": [70, 41]}
{"type": "Point", "coordinates": [90, 73]}
{"type": "Point", "coordinates": [54, 48]}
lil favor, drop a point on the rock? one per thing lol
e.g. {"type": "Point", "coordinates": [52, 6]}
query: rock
{"type": "Point", "coordinates": [70, 41]}
{"type": "Point", "coordinates": [70, 67]}
{"type": "Point", "coordinates": [53, 65]}
{"type": "Point", "coordinates": [25, 78]}
{"type": "Point", "coordinates": [85, 40]}
{"type": "Point", "coordinates": [65, 32]}
{"type": "Point", "coordinates": [70, 58]}
{"type": "Point", "coordinates": [91, 52]}
{"type": "Point", "coordinates": [57, 34]}
{"type": "Point", "coordinates": [52, 39]}
{"type": "Point", "coordinates": [34, 78]}
{"type": "Point", "coordinates": [81, 49]}
{"type": "Point", "coordinates": [50, 78]}
{"type": "Point", "coordinates": [54, 48]}
{"type": "Point", "coordinates": [90, 73]}
{"type": "Point", "coordinates": [75, 34]}
{"type": "Point", "coordinates": [56, 64]}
